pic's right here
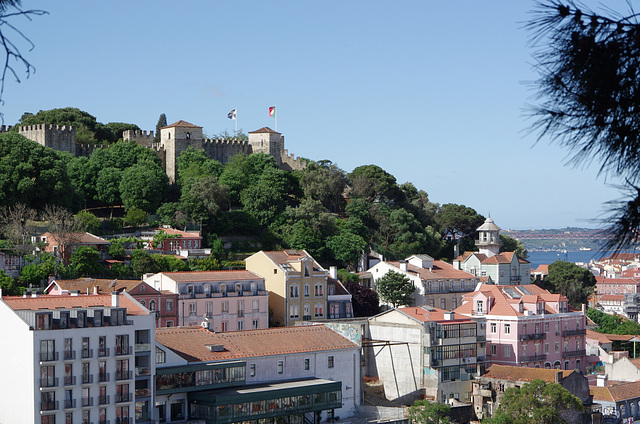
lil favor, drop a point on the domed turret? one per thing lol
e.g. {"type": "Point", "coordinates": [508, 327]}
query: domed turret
{"type": "Point", "coordinates": [489, 238]}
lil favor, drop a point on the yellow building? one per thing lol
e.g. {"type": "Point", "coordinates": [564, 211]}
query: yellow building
{"type": "Point", "coordinates": [297, 285]}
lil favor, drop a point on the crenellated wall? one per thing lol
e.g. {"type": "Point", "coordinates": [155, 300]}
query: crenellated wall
{"type": "Point", "coordinates": [140, 137]}
{"type": "Point", "coordinates": [291, 163]}
{"type": "Point", "coordinates": [57, 137]}
{"type": "Point", "coordinates": [223, 150]}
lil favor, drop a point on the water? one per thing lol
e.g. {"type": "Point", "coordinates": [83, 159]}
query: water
{"type": "Point", "coordinates": [538, 258]}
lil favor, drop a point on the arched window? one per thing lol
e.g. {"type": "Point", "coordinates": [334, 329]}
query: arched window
{"type": "Point", "coordinates": [143, 303]}
{"type": "Point", "coordinates": [188, 135]}
{"type": "Point", "coordinates": [152, 305]}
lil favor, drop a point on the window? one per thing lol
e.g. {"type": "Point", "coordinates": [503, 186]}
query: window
{"type": "Point", "coordinates": [48, 376]}
{"type": "Point", "coordinates": [102, 372]}
{"type": "Point", "coordinates": [307, 364]}
{"type": "Point", "coordinates": [431, 303]}
{"type": "Point", "coordinates": [306, 312]}
{"type": "Point", "coordinates": [225, 306]}
{"type": "Point", "coordinates": [81, 319]}
{"type": "Point", "coordinates": [170, 305]}
{"type": "Point", "coordinates": [240, 325]}
{"type": "Point", "coordinates": [86, 375]}
{"type": "Point", "coordinates": [546, 348]}
{"type": "Point", "coordinates": [557, 347]}
{"type": "Point", "coordinates": [97, 318]}
{"type": "Point", "coordinates": [208, 307]}
{"type": "Point", "coordinates": [330, 362]}
{"type": "Point", "coordinates": [443, 303]}
{"type": "Point", "coordinates": [122, 369]}
{"type": "Point", "coordinates": [294, 291]}
{"type": "Point", "coordinates": [546, 327]}
{"type": "Point", "coordinates": [507, 351]}
{"type": "Point", "coordinates": [479, 306]}
{"type": "Point", "coordinates": [454, 303]}
{"type": "Point", "coordinates": [318, 290]}
{"type": "Point", "coordinates": [169, 323]}
{"type": "Point", "coordinates": [256, 305]}
{"type": "Point", "coordinates": [152, 305]}
{"type": "Point", "coordinates": [252, 370]}
{"type": "Point", "coordinates": [294, 311]}
{"type": "Point", "coordinates": [306, 270]}
{"type": "Point", "coordinates": [68, 349]}
{"type": "Point", "coordinates": [122, 344]}
{"type": "Point", "coordinates": [493, 327]}
{"type": "Point", "coordinates": [240, 308]}
{"type": "Point", "coordinates": [225, 326]}
{"type": "Point", "coordinates": [507, 329]}
{"type": "Point", "coordinates": [160, 356]}
{"type": "Point", "coordinates": [192, 308]}
{"type": "Point", "coordinates": [102, 346]}
{"type": "Point", "coordinates": [48, 401]}
{"type": "Point", "coordinates": [306, 290]}
{"type": "Point", "coordinates": [494, 349]}
{"type": "Point", "coordinates": [68, 418]}
{"type": "Point", "coordinates": [64, 319]}
{"type": "Point", "coordinates": [255, 324]}
{"type": "Point", "coordinates": [239, 289]}
{"type": "Point", "coordinates": [223, 289]}
{"type": "Point", "coordinates": [318, 310]}
{"type": "Point", "coordinates": [68, 375]}
{"type": "Point", "coordinates": [48, 350]}
{"type": "Point", "coordinates": [122, 393]}
{"type": "Point", "coordinates": [280, 367]}
{"type": "Point", "coordinates": [48, 419]}
{"type": "Point", "coordinates": [43, 321]}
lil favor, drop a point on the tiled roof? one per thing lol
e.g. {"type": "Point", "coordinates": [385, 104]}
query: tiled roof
{"type": "Point", "coordinates": [86, 285]}
{"type": "Point", "coordinates": [611, 297]}
{"type": "Point", "coordinates": [182, 123]}
{"type": "Point", "coordinates": [264, 130]}
{"type": "Point", "coordinates": [542, 269]}
{"type": "Point", "coordinates": [427, 313]}
{"type": "Point", "coordinates": [511, 373]}
{"type": "Point", "coordinates": [200, 276]}
{"type": "Point", "coordinates": [439, 271]}
{"type": "Point", "coordinates": [64, 301]}
{"type": "Point", "coordinates": [184, 234]}
{"type": "Point", "coordinates": [504, 305]}
{"type": "Point", "coordinates": [340, 288]}
{"type": "Point", "coordinates": [600, 337]}
{"type": "Point", "coordinates": [190, 342]}
{"type": "Point", "coordinates": [601, 279]}
{"type": "Point", "coordinates": [79, 238]}
{"type": "Point", "coordinates": [616, 392]}
{"type": "Point", "coordinates": [283, 256]}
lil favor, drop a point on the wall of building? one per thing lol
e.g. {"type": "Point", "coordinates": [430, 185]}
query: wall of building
{"type": "Point", "coordinates": [57, 137]}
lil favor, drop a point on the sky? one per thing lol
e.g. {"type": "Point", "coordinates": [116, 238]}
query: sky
{"type": "Point", "coordinates": [433, 92]}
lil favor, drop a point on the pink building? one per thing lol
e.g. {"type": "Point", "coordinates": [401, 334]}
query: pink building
{"type": "Point", "coordinates": [185, 240]}
{"type": "Point", "coordinates": [617, 285]}
{"type": "Point", "coordinates": [224, 300]}
{"type": "Point", "coordinates": [528, 326]}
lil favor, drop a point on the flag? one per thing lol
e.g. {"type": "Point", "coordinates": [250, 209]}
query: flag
{"type": "Point", "coordinates": [232, 114]}
{"type": "Point", "coordinates": [272, 111]}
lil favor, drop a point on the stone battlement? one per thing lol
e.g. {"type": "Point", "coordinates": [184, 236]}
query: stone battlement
{"type": "Point", "coordinates": [5, 128]}
{"type": "Point", "coordinates": [225, 141]}
{"type": "Point", "coordinates": [48, 127]}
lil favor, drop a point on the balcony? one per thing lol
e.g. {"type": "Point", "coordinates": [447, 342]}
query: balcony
{"type": "Point", "coordinates": [87, 379]}
{"type": "Point", "coordinates": [533, 358]}
{"type": "Point", "coordinates": [573, 353]}
{"type": "Point", "coordinates": [569, 333]}
{"type": "Point", "coordinates": [123, 397]}
{"type": "Point", "coordinates": [69, 355]}
{"type": "Point", "coordinates": [103, 351]}
{"type": "Point", "coordinates": [48, 356]}
{"type": "Point", "coordinates": [69, 403]}
{"type": "Point", "coordinates": [535, 336]}
{"type": "Point", "coordinates": [123, 420]}
{"type": "Point", "coordinates": [306, 317]}
{"type": "Point", "coordinates": [69, 380]}
{"type": "Point", "coordinates": [124, 350]}
{"type": "Point", "coordinates": [50, 405]}
{"type": "Point", "coordinates": [86, 353]}
{"type": "Point", "coordinates": [103, 377]}
{"type": "Point", "coordinates": [49, 382]}
{"type": "Point", "coordinates": [140, 393]}
{"type": "Point", "coordinates": [481, 359]}
{"type": "Point", "coordinates": [143, 347]}
{"type": "Point", "coordinates": [143, 371]}
{"type": "Point", "coordinates": [87, 401]}
{"type": "Point", "coordinates": [103, 422]}
{"type": "Point", "coordinates": [240, 314]}
{"type": "Point", "coordinates": [481, 338]}
{"type": "Point", "coordinates": [124, 375]}
{"type": "Point", "coordinates": [103, 400]}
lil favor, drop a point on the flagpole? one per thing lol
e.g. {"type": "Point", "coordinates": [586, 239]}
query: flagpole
{"type": "Point", "coordinates": [276, 115]}
{"type": "Point", "coordinates": [236, 134]}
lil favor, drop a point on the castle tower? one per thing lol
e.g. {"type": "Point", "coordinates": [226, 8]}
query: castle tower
{"type": "Point", "coordinates": [176, 138]}
{"type": "Point", "coordinates": [266, 140]}
{"type": "Point", "coordinates": [489, 238]}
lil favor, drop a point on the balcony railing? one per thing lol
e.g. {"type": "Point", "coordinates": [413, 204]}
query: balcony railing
{"type": "Point", "coordinates": [123, 397]}
{"type": "Point", "coordinates": [124, 350]}
{"type": "Point", "coordinates": [49, 382]}
{"type": "Point", "coordinates": [481, 338]}
{"type": "Point", "coordinates": [569, 333]}
{"type": "Point", "coordinates": [86, 353]}
{"type": "Point", "coordinates": [69, 354]}
{"type": "Point", "coordinates": [69, 403]}
{"type": "Point", "coordinates": [103, 351]}
{"type": "Point", "coordinates": [143, 371]}
{"type": "Point", "coordinates": [573, 353]}
{"type": "Point", "coordinates": [51, 405]}
{"type": "Point", "coordinates": [87, 401]}
{"type": "Point", "coordinates": [535, 336]}
{"type": "Point", "coordinates": [306, 317]}
{"type": "Point", "coordinates": [124, 375]}
{"type": "Point", "coordinates": [533, 358]}
{"type": "Point", "coordinates": [103, 377]}
{"type": "Point", "coordinates": [123, 420]}
{"type": "Point", "coordinates": [48, 356]}
{"type": "Point", "coordinates": [103, 400]}
{"type": "Point", "coordinates": [69, 380]}
{"type": "Point", "coordinates": [103, 422]}
{"type": "Point", "coordinates": [87, 379]}
{"type": "Point", "coordinates": [143, 347]}
{"type": "Point", "coordinates": [140, 393]}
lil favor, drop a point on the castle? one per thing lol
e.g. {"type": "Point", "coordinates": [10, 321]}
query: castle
{"type": "Point", "coordinates": [174, 139]}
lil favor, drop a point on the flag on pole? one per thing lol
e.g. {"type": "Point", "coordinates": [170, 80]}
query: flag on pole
{"type": "Point", "coordinates": [232, 114]}
{"type": "Point", "coordinates": [272, 111]}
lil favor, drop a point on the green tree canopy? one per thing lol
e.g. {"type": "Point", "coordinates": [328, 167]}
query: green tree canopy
{"type": "Point", "coordinates": [143, 186]}
{"type": "Point", "coordinates": [458, 220]}
{"type": "Point", "coordinates": [85, 262]}
{"type": "Point", "coordinates": [426, 412]}
{"type": "Point", "coordinates": [375, 184]}
{"type": "Point", "coordinates": [536, 402]}
{"type": "Point", "coordinates": [193, 164]}
{"type": "Point", "coordinates": [572, 281]}
{"type": "Point", "coordinates": [509, 244]}
{"type": "Point", "coordinates": [325, 182]}
{"type": "Point", "coordinates": [396, 289]}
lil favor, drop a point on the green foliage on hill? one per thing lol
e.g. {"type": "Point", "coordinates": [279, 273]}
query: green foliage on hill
{"type": "Point", "coordinates": [612, 324]}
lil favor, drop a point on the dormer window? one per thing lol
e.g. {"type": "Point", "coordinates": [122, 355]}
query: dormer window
{"type": "Point", "coordinates": [81, 319]}
{"type": "Point", "coordinates": [239, 288]}
{"type": "Point", "coordinates": [43, 321]}
{"type": "Point", "coordinates": [64, 319]}
{"type": "Point", "coordinates": [97, 318]}
{"type": "Point", "coordinates": [480, 306]}
{"type": "Point", "coordinates": [223, 289]}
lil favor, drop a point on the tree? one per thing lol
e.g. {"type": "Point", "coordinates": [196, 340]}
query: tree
{"type": "Point", "coordinates": [193, 164]}
{"type": "Point", "coordinates": [458, 220]}
{"type": "Point", "coordinates": [88, 130]}
{"type": "Point", "coordinates": [536, 402]}
{"type": "Point", "coordinates": [375, 184]}
{"type": "Point", "coordinates": [108, 186]}
{"type": "Point", "coordinates": [365, 301]}
{"type": "Point", "coordinates": [589, 97]}
{"type": "Point", "coordinates": [135, 217]}
{"type": "Point", "coordinates": [347, 247]}
{"type": "Point", "coordinates": [12, 45]}
{"type": "Point", "coordinates": [612, 324]}
{"type": "Point", "coordinates": [65, 228]}
{"type": "Point", "coordinates": [509, 244]}
{"type": "Point", "coordinates": [89, 221]}
{"type": "Point", "coordinates": [143, 186]}
{"type": "Point", "coordinates": [162, 122]}
{"type": "Point", "coordinates": [16, 224]}
{"type": "Point", "coordinates": [572, 281]}
{"type": "Point", "coordinates": [85, 262]}
{"type": "Point", "coordinates": [325, 182]}
{"type": "Point", "coordinates": [426, 412]}
{"type": "Point", "coordinates": [395, 288]}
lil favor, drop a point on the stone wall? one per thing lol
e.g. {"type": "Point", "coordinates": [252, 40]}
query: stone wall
{"type": "Point", "coordinates": [57, 137]}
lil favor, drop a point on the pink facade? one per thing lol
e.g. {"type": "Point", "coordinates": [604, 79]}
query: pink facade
{"type": "Point", "coordinates": [528, 326]}
{"type": "Point", "coordinates": [165, 305]}
{"type": "Point", "coordinates": [185, 241]}
{"type": "Point", "coordinates": [618, 286]}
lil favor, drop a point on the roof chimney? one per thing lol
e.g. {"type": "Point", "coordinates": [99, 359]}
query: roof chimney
{"type": "Point", "coordinates": [333, 272]}
{"type": "Point", "coordinates": [95, 289]}
{"type": "Point", "coordinates": [558, 376]}
{"type": "Point", "coordinates": [404, 266]}
{"type": "Point", "coordinates": [115, 299]}
{"type": "Point", "coordinates": [449, 316]}
{"type": "Point", "coordinates": [75, 292]}
{"type": "Point", "coordinates": [601, 380]}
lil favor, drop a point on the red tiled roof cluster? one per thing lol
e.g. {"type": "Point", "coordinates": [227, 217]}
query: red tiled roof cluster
{"type": "Point", "coordinates": [81, 301]}
{"type": "Point", "coordinates": [512, 373]}
{"type": "Point", "coordinates": [203, 276]}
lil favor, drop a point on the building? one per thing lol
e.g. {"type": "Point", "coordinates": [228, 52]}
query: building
{"type": "Point", "coordinates": [489, 264]}
{"type": "Point", "coordinates": [67, 244]}
{"type": "Point", "coordinates": [296, 374]}
{"type": "Point", "coordinates": [425, 351]}
{"type": "Point", "coordinates": [339, 300]}
{"type": "Point", "coordinates": [76, 358]}
{"type": "Point", "coordinates": [437, 283]}
{"type": "Point", "coordinates": [528, 326]}
{"type": "Point", "coordinates": [623, 369]}
{"type": "Point", "coordinates": [162, 304]}
{"type": "Point", "coordinates": [179, 241]}
{"type": "Point", "coordinates": [612, 304]}
{"type": "Point", "coordinates": [229, 300]}
{"type": "Point", "coordinates": [297, 284]}
{"type": "Point", "coordinates": [489, 388]}
{"type": "Point", "coordinates": [617, 286]}
{"type": "Point", "coordinates": [619, 401]}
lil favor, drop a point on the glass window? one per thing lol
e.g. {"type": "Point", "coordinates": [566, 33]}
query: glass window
{"type": "Point", "coordinates": [507, 328]}
{"type": "Point", "coordinates": [280, 367]}
{"type": "Point", "coordinates": [307, 364]}
{"type": "Point", "coordinates": [252, 370]}
{"type": "Point", "coordinates": [330, 362]}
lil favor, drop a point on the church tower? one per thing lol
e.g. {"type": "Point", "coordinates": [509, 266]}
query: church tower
{"type": "Point", "coordinates": [489, 238]}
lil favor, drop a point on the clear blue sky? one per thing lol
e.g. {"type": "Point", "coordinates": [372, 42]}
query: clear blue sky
{"type": "Point", "coordinates": [432, 92]}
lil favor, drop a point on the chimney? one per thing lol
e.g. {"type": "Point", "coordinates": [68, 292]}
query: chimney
{"type": "Point", "coordinates": [558, 377]}
{"type": "Point", "coordinates": [115, 299]}
{"type": "Point", "coordinates": [95, 289]}
{"type": "Point", "coordinates": [333, 272]}
{"type": "Point", "coordinates": [601, 380]}
{"type": "Point", "coordinates": [404, 266]}
{"type": "Point", "coordinates": [75, 292]}
{"type": "Point", "coordinates": [448, 316]}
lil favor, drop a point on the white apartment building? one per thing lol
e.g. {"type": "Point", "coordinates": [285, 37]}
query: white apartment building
{"type": "Point", "coordinates": [76, 359]}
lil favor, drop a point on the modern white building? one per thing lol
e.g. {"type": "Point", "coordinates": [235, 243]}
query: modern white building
{"type": "Point", "coordinates": [76, 359]}
{"type": "Point", "coordinates": [299, 374]}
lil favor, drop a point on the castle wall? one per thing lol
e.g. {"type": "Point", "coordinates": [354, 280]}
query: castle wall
{"type": "Point", "coordinates": [57, 137]}
{"type": "Point", "coordinates": [142, 138]}
{"type": "Point", "coordinates": [87, 149]}
{"type": "Point", "coordinates": [224, 150]}
{"type": "Point", "coordinates": [288, 162]}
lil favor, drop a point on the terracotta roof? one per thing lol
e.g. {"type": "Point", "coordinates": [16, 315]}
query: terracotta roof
{"type": "Point", "coordinates": [601, 279]}
{"type": "Point", "coordinates": [426, 313]}
{"type": "Point", "coordinates": [611, 297]}
{"type": "Point", "coordinates": [181, 123]}
{"type": "Point", "coordinates": [504, 305]}
{"type": "Point", "coordinates": [439, 271]}
{"type": "Point", "coordinates": [542, 269]}
{"type": "Point", "coordinates": [600, 337]}
{"type": "Point", "coordinates": [190, 342]}
{"type": "Point", "coordinates": [279, 257]}
{"type": "Point", "coordinates": [65, 301]}
{"type": "Point", "coordinates": [184, 234]}
{"type": "Point", "coordinates": [616, 392]}
{"type": "Point", "coordinates": [199, 276]}
{"type": "Point", "coordinates": [340, 289]}
{"type": "Point", "coordinates": [79, 238]}
{"type": "Point", "coordinates": [264, 130]}
{"type": "Point", "coordinates": [511, 373]}
{"type": "Point", "coordinates": [104, 285]}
